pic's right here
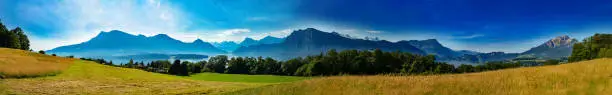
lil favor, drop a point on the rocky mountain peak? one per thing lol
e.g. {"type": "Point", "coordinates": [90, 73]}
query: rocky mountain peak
{"type": "Point", "coordinates": [560, 41]}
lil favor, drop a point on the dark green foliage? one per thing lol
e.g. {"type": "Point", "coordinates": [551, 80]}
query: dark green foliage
{"type": "Point", "coordinates": [101, 61]}
{"type": "Point", "coordinates": [183, 70]}
{"type": "Point", "coordinates": [15, 38]}
{"type": "Point", "coordinates": [551, 62]}
{"type": "Point", "coordinates": [290, 66]}
{"type": "Point", "coordinates": [41, 52]}
{"type": "Point", "coordinates": [160, 66]}
{"type": "Point", "coordinates": [331, 63]}
{"type": "Point", "coordinates": [130, 64]}
{"type": "Point", "coordinates": [272, 66]}
{"type": "Point", "coordinates": [463, 68]}
{"type": "Point", "coordinates": [217, 63]}
{"type": "Point", "coordinates": [195, 67]}
{"type": "Point", "coordinates": [237, 65]}
{"type": "Point", "coordinates": [596, 46]}
{"type": "Point", "coordinates": [178, 68]}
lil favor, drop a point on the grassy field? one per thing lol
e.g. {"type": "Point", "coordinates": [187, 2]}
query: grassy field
{"type": "Point", "coordinates": [245, 78]}
{"type": "Point", "coordinates": [582, 78]}
{"type": "Point", "coordinates": [73, 76]}
{"type": "Point", "coordinates": [85, 77]}
{"type": "Point", "coordinates": [17, 64]}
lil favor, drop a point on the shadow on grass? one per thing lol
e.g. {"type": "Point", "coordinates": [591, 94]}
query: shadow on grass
{"type": "Point", "coordinates": [20, 76]}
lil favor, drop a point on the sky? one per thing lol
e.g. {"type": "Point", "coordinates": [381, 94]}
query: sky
{"type": "Point", "coordinates": [478, 25]}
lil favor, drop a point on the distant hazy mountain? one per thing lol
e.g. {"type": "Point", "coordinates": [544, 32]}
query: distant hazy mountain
{"type": "Point", "coordinates": [228, 46]}
{"type": "Point", "coordinates": [462, 52]}
{"type": "Point", "coordinates": [162, 56]}
{"type": "Point", "coordinates": [555, 48]}
{"type": "Point", "coordinates": [433, 47]}
{"type": "Point", "coordinates": [248, 42]}
{"type": "Point", "coordinates": [270, 40]}
{"type": "Point", "coordinates": [558, 47]}
{"type": "Point", "coordinates": [265, 40]}
{"type": "Point", "coordinates": [120, 43]}
{"type": "Point", "coordinates": [311, 41]}
{"type": "Point", "coordinates": [481, 58]}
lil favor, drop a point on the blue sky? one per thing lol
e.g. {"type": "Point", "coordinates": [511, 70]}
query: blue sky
{"type": "Point", "coordinates": [480, 25]}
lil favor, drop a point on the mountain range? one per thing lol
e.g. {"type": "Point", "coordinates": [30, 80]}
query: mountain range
{"type": "Point", "coordinates": [162, 56]}
{"type": "Point", "coordinates": [555, 48]}
{"type": "Point", "coordinates": [302, 42]}
{"type": "Point", "coordinates": [433, 47]}
{"type": "Point", "coordinates": [311, 41]}
{"type": "Point", "coordinates": [230, 46]}
{"type": "Point", "coordinates": [117, 43]}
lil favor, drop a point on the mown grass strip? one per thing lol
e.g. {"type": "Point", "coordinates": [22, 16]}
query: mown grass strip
{"type": "Point", "coordinates": [245, 78]}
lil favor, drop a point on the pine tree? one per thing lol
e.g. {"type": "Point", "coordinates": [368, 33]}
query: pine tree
{"type": "Point", "coordinates": [130, 64]}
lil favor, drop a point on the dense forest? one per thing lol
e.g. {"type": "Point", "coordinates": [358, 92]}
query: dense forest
{"type": "Point", "coordinates": [14, 38]}
{"type": "Point", "coordinates": [596, 46]}
{"type": "Point", "coordinates": [355, 62]}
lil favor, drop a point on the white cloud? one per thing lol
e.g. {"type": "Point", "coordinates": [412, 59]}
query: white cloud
{"type": "Point", "coordinates": [231, 32]}
{"type": "Point", "coordinates": [80, 20]}
{"type": "Point", "coordinates": [469, 36]}
{"type": "Point", "coordinates": [280, 33]}
{"type": "Point", "coordinates": [374, 32]}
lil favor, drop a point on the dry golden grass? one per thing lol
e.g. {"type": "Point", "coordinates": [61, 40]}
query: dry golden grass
{"type": "Point", "coordinates": [85, 77]}
{"type": "Point", "coordinates": [588, 77]}
{"type": "Point", "coordinates": [19, 63]}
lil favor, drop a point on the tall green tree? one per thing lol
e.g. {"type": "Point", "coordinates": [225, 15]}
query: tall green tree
{"type": "Point", "coordinates": [237, 65]}
{"type": "Point", "coordinates": [178, 69]}
{"type": "Point", "coordinates": [15, 38]}
{"type": "Point", "coordinates": [218, 63]}
{"type": "Point", "coordinates": [24, 42]}
{"type": "Point", "coordinates": [596, 46]}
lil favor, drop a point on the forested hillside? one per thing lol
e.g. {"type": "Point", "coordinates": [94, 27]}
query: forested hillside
{"type": "Point", "coordinates": [14, 38]}
{"type": "Point", "coordinates": [596, 46]}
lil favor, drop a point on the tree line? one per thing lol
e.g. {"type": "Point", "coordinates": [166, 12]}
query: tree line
{"type": "Point", "coordinates": [596, 46]}
{"type": "Point", "coordinates": [14, 38]}
{"type": "Point", "coordinates": [355, 62]}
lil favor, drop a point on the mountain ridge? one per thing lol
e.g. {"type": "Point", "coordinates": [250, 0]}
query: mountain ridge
{"type": "Point", "coordinates": [117, 42]}
{"type": "Point", "coordinates": [303, 42]}
{"type": "Point", "coordinates": [558, 47]}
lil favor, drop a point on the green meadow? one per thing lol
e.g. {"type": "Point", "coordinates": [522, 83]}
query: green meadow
{"type": "Point", "coordinates": [245, 78]}
{"type": "Point", "coordinates": [86, 77]}
{"type": "Point", "coordinates": [592, 77]}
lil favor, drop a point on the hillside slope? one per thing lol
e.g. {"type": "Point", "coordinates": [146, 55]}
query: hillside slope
{"type": "Point", "coordinates": [86, 77]}
{"type": "Point", "coordinates": [18, 63]}
{"type": "Point", "coordinates": [588, 77]}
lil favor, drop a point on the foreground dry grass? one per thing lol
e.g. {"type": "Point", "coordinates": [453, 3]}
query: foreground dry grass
{"type": "Point", "coordinates": [19, 63]}
{"type": "Point", "coordinates": [85, 77]}
{"type": "Point", "coordinates": [589, 77]}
